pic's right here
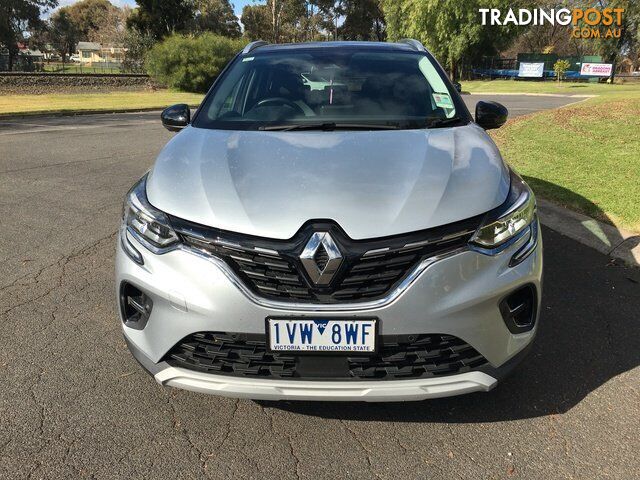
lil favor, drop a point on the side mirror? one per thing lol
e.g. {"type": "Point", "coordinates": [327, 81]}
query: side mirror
{"type": "Point", "coordinates": [176, 117]}
{"type": "Point", "coordinates": [457, 86]}
{"type": "Point", "coordinates": [491, 115]}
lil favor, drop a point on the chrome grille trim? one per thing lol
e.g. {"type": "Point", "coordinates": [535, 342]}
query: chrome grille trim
{"type": "Point", "coordinates": [391, 296]}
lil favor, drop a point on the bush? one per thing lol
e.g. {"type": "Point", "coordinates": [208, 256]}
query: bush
{"type": "Point", "coordinates": [191, 63]}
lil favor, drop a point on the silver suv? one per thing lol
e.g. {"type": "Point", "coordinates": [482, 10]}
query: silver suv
{"type": "Point", "coordinates": [332, 224]}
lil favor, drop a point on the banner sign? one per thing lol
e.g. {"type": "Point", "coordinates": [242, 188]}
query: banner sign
{"type": "Point", "coordinates": [596, 69]}
{"type": "Point", "coordinates": [531, 70]}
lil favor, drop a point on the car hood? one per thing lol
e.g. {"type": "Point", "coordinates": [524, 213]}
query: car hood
{"type": "Point", "coordinates": [371, 183]}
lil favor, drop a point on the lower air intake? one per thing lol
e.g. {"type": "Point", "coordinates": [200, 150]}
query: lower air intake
{"type": "Point", "coordinates": [400, 357]}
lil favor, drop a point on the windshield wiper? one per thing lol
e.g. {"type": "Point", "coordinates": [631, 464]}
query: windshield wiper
{"type": "Point", "coordinates": [442, 122]}
{"type": "Point", "coordinates": [329, 126]}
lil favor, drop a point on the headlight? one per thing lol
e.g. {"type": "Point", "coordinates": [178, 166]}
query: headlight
{"type": "Point", "coordinates": [145, 222]}
{"type": "Point", "coordinates": [509, 220]}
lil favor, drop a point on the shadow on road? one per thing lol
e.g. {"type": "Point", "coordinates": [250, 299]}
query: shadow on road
{"type": "Point", "coordinates": [589, 333]}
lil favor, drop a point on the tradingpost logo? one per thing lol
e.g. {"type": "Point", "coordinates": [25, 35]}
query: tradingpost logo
{"type": "Point", "coordinates": [587, 22]}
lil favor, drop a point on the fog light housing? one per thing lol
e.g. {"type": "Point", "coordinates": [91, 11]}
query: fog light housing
{"type": "Point", "coordinates": [135, 306]}
{"type": "Point", "coordinates": [519, 309]}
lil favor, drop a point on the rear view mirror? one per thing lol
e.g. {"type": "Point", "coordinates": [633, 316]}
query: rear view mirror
{"type": "Point", "coordinates": [176, 117]}
{"type": "Point", "coordinates": [491, 114]}
{"type": "Point", "coordinates": [457, 86]}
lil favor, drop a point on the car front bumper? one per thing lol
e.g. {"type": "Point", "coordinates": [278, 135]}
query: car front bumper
{"type": "Point", "coordinates": [457, 295]}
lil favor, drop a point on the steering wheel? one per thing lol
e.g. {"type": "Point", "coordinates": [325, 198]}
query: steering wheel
{"type": "Point", "coordinates": [279, 101]}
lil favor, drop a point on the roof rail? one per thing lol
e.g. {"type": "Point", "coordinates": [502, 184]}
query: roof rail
{"type": "Point", "coordinates": [253, 45]}
{"type": "Point", "coordinates": [415, 44]}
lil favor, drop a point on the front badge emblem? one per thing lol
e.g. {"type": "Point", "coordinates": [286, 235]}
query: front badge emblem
{"type": "Point", "coordinates": [321, 258]}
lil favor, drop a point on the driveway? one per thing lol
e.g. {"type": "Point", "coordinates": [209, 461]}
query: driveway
{"type": "Point", "coordinates": [521, 104]}
{"type": "Point", "coordinates": [75, 404]}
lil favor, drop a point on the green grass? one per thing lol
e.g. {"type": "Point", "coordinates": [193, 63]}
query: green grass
{"type": "Point", "coordinates": [585, 157]}
{"type": "Point", "coordinates": [113, 101]}
{"type": "Point", "coordinates": [564, 88]}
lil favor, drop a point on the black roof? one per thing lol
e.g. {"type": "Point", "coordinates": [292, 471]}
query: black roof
{"type": "Point", "coordinates": [325, 45]}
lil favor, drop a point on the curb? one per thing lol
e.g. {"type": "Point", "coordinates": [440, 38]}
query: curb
{"type": "Point", "coordinates": [72, 113]}
{"type": "Point", "coordinates": [608, 239]}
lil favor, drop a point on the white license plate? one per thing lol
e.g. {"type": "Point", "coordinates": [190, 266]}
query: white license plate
{"type": "Point", "coordinates": [322, 335]}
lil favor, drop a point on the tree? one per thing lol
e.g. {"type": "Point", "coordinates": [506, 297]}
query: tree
{"type": "Point", "coordinates": [255, 19]}
{"type": "Point", "coordinates": [89, 15]}
{"type": "Point", "coordinates": [364, 21]}
{"type": "Point", "coordinates": [16, 16]}
{"type": "Point", "coordinates": [112, 28]}
{"type": "Point", "coordinates": [613, 48]}
{"type": "Point", "coordinates": [64, 33]}
{"type": "Point", "coordinates": [451, 29]}
{"type": "Point", "coordinates": [217, 16]}
{"type": "Point", "coordinates": [160, 18]}
{"type": "Point", "coordinates": [136, 45]}
{"type": "Point", "coordinates": [561, 67]}
{"type": "Point", "coordinates": [331, 10]}
{"type": "Point", "coordinates": [285, 15]}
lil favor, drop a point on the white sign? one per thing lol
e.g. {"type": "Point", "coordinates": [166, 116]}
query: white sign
{"type": "Point", "coordinates": [531, 70]}
{"type": "Point", "coordinates": [596, 69]}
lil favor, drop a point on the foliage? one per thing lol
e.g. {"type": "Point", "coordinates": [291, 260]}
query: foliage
{"type": "Point", "coordinates": [331, 10]}
{"type": "Point", "coordinates": [191, 63]}
{"type": "Point", "coordinates": [561, 67]}
{"type": "Point", "coordinates": [16, 16]}
{"type": "Point", "coordinates": [451, 29]}
{"type": "Point", "coordinates": [364, 20]}
{"type": "Point", "coordinates": [88, 15]}
{"type": "Point", "coordinates": [216, 16]}
{"type": "Point", "coordinates": [160, 18]}
{"type": "Point", "coordinates": [255, 19]}
{"type": "Point", "coordinates": [280, 21]}
{"type": "Point", "coordinates": [63, 33]}
{"type": "Point", "coordinates": [136, 45]}
{"type": "Point", "coordinates": [92, 20]}
{"type": "Point", "coordinates": [629, 41]}
{"type": "Point", "coordinates": [111, 28]}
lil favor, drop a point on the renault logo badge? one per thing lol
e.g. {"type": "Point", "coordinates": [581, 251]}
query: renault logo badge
{"type": "Point", "coordinates": [321, 258]}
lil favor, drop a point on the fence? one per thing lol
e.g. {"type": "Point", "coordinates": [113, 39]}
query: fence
{"type": "Point", "coordinates": [37, 64]}
{"type": "Point", "coordinates": [495, 67]}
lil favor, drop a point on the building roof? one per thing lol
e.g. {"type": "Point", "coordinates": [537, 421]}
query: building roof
{"type": "Point", "coordinates": [88, 46]}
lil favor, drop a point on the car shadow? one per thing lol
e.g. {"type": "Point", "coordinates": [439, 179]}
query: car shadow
{"type": "Point", "coordinates": [588, 334]}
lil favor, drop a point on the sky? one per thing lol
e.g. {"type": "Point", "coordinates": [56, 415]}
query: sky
{"type": "Point", "coordinates": [238, 4]}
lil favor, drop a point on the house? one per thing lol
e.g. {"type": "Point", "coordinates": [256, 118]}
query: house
{"type": "Point", "coordinates": [89, 52]}
{"type": "Point", "coordinates": [26, 60]}
{"type": "Point", "coordinates": [93, 52]}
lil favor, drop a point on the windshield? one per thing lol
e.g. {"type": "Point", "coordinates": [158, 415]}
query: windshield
{"type": "Point", "coordinates": [329, 88]}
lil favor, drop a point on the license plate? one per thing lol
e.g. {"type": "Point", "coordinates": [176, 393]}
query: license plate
{"type": "Point", "coordinates": [322, 335]}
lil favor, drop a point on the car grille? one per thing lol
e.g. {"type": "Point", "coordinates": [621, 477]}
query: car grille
{"type": "Point", "coordinates": [369, 269]}
{"type": "Point", "coordinates": [399, 357]}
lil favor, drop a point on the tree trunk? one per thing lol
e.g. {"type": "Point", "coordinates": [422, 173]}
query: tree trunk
{"type": "Point", "coordinates": [613, 68]}
{"type": "Point", "coordinates": [453, 71]}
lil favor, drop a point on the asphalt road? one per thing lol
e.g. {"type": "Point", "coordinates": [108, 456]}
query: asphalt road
{"type": "Point", "coordinates": [521, 104]}
{"type": "Point", "coordinates": [74, 403]}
